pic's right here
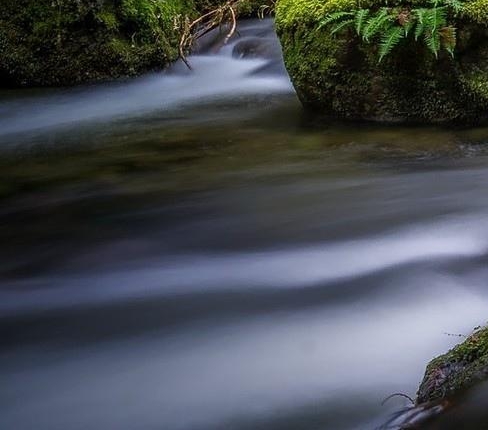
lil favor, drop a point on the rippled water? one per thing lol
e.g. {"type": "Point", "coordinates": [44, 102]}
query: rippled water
{"type": "Point", "coordinates": [193, 251]}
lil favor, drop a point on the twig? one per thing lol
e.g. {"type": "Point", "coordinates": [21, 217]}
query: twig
{"type": "Point", "coordinates": [197, 28]}
{"type": "Point", "coordinates": [233, 28]}
{"type": "Point", "coordinates": [455, 335]}
{"type": "Point", "coordinates": [398, 395]}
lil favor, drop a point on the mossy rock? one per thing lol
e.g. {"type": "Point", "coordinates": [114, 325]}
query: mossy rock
{"type": "Point", "coordinates": [460, 369]}
{"type": "Point", "coordinates": [63, 42]}
{"type": "Point", "coordinates": [339, 74]}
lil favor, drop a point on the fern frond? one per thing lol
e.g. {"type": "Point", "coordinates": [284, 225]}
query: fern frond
{"type": "Point", "coordinates": [341, 25]}
{"type": "Point", "coordinates": [333, 17]}
{"type": "Point", "coordinates": [390, 40]}
{"type": "Point", "coordinates": [455, 5]}
{"type": "Point", "coordinates": [420, 15]}
{"type": "Point", "coordinates": [389, 25]}
{"type": "Point", "coordinates": [435, 18]}
{"type": "Point", "coordinates": [433, 42]}
{"type": "Point", "coordinates": [376, 23]}
{"type": "Point", "coordinates": [419, 29]}
{"type": "Point", "coordinates": [360, 19]}
{"type": "Point", "coordinates": [448, 38]}
{"type": "Point", "coordinates": [407, 27]}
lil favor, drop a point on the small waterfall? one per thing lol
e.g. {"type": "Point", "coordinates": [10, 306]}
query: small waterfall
{"type": "Point", "coordinates": [250, 64]}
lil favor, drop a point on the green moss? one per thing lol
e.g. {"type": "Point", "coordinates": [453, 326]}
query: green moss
{"type": "Point", "coordinates": [108, 18]}
{"type": "Point", "coordinates": [459, 369]}
{"type": "Point", "coordinates": [62, 42]}
{"type": "Point", "coordinates": [477, 11]}
{"type": "Point", "coordinates": [290, 13]}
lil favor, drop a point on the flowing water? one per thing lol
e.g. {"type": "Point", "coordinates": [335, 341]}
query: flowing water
{"type": "Point", "coordinates": [192, 250]}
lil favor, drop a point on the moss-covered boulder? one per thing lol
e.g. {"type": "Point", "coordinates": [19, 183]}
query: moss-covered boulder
{"type": "Point", "coordinates": [460, 369]}
{"type": "Point", "coordinates": [339, 74]}
{"type": "Point", "coordinates": [61, 42]}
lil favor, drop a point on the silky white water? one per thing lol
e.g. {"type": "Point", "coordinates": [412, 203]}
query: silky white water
{"type": "Point", "coordinates": [191, 250]}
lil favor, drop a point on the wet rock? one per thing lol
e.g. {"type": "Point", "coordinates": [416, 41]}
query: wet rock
{"type": "Point", "coordinates": [452, 394]}
{"type": "Point", "coordinates": [339, 74]}
{"type": "Point", "coordinates": [459, 369]}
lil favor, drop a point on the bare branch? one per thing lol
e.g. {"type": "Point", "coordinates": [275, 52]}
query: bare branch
{"type": "Point", "coordinates": [195, 29]}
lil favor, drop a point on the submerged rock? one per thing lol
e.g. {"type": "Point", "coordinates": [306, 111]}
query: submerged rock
{"type": "Point", "coordinates": [339, 74]}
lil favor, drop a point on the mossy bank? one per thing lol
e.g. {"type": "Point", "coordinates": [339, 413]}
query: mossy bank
{"type": "Point", "coordinates": [66, 42]}
{"type": "Point", "coordinates": [340, 75]}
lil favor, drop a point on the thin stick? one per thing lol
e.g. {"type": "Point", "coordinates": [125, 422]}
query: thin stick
{"type": "Point", "coordinates": [206, 23]}
{"type": "Point", "coordinates": [398, 395]}
{"type": "Point", "coordinates": [234, 25]}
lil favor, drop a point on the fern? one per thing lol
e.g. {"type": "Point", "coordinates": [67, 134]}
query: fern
{"type": "Point", "coordinates": [407, 27]}
{"type": "Point", "coordinates": [360, 20]}
{"type": "Point", "coordinates": [433, 20]}
{"type": "Point", "coordinates": [433, 42]}
{"type": "Point", "coordinates": [376, 23]}
{"type": "Point", "coordinates": [448, 39]}
{"type": "Point", "coordinates": [388, 26]}
{"type": "Point", "coordinates": [454, 5]}
{"type": "Point", "coordinates": [419, 15]}
{"type": "Point", "coordinates": [334, 17]}
{"type": "Point", "coordinates": [390, 40]}
{"type": "Point", "coordinates": [340, 25]}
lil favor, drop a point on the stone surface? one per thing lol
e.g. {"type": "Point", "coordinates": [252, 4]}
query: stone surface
{"type": "Point", "coordinates": [459, 369]}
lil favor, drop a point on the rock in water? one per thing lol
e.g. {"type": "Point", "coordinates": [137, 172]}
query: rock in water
{"type": "Point", "coordinates": [452, 394]}
{"type": "Point", "coordinates": [338, 74]}
{"type": "Point", "coordinates": [461, 368]}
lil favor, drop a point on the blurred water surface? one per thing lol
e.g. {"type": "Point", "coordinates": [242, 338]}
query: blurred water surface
{"type": "Point", "coordinates": [191, 250]}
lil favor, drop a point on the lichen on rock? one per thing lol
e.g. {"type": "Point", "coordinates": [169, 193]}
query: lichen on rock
{"type": "Point", "coordinates": [339, 74]}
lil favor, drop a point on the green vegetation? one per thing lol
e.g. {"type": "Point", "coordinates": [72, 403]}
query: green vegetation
{"type": "Point", "coordinates": [477, 11]}
{"type": "Point", "coordinates": [60, 42]}
{"type": "Point", "coordinates": [390, 25]}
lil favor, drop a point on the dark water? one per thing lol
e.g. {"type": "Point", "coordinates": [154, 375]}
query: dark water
{"type": "Point", "coordinates": [193, 251]}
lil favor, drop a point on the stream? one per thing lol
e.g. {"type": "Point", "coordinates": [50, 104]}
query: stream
{"type": "Point", "coordinates": [192, 250]}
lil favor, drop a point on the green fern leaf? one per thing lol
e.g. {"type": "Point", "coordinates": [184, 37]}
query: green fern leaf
{"type": "Point", "coordinates": [433, 42]}
{"type": "Point", "coordinates": [407, 27]}
{"type": "Point", "coordinates": [341, 25]}
{"type": "Point", "coordinates": [420, 15]}
{"type": "Point", "coordinates": [360, 19]}
{"type": "Point", "coordinates": [435, 18]}
{"type": "Point", "coordinates": [376, 24]}
{"type": "Point", "coordinates": [455, 5]}
{"type": "Point", "coordinates": [390, 40]}
{"type": "Point", "coordinates": [333, 17]}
